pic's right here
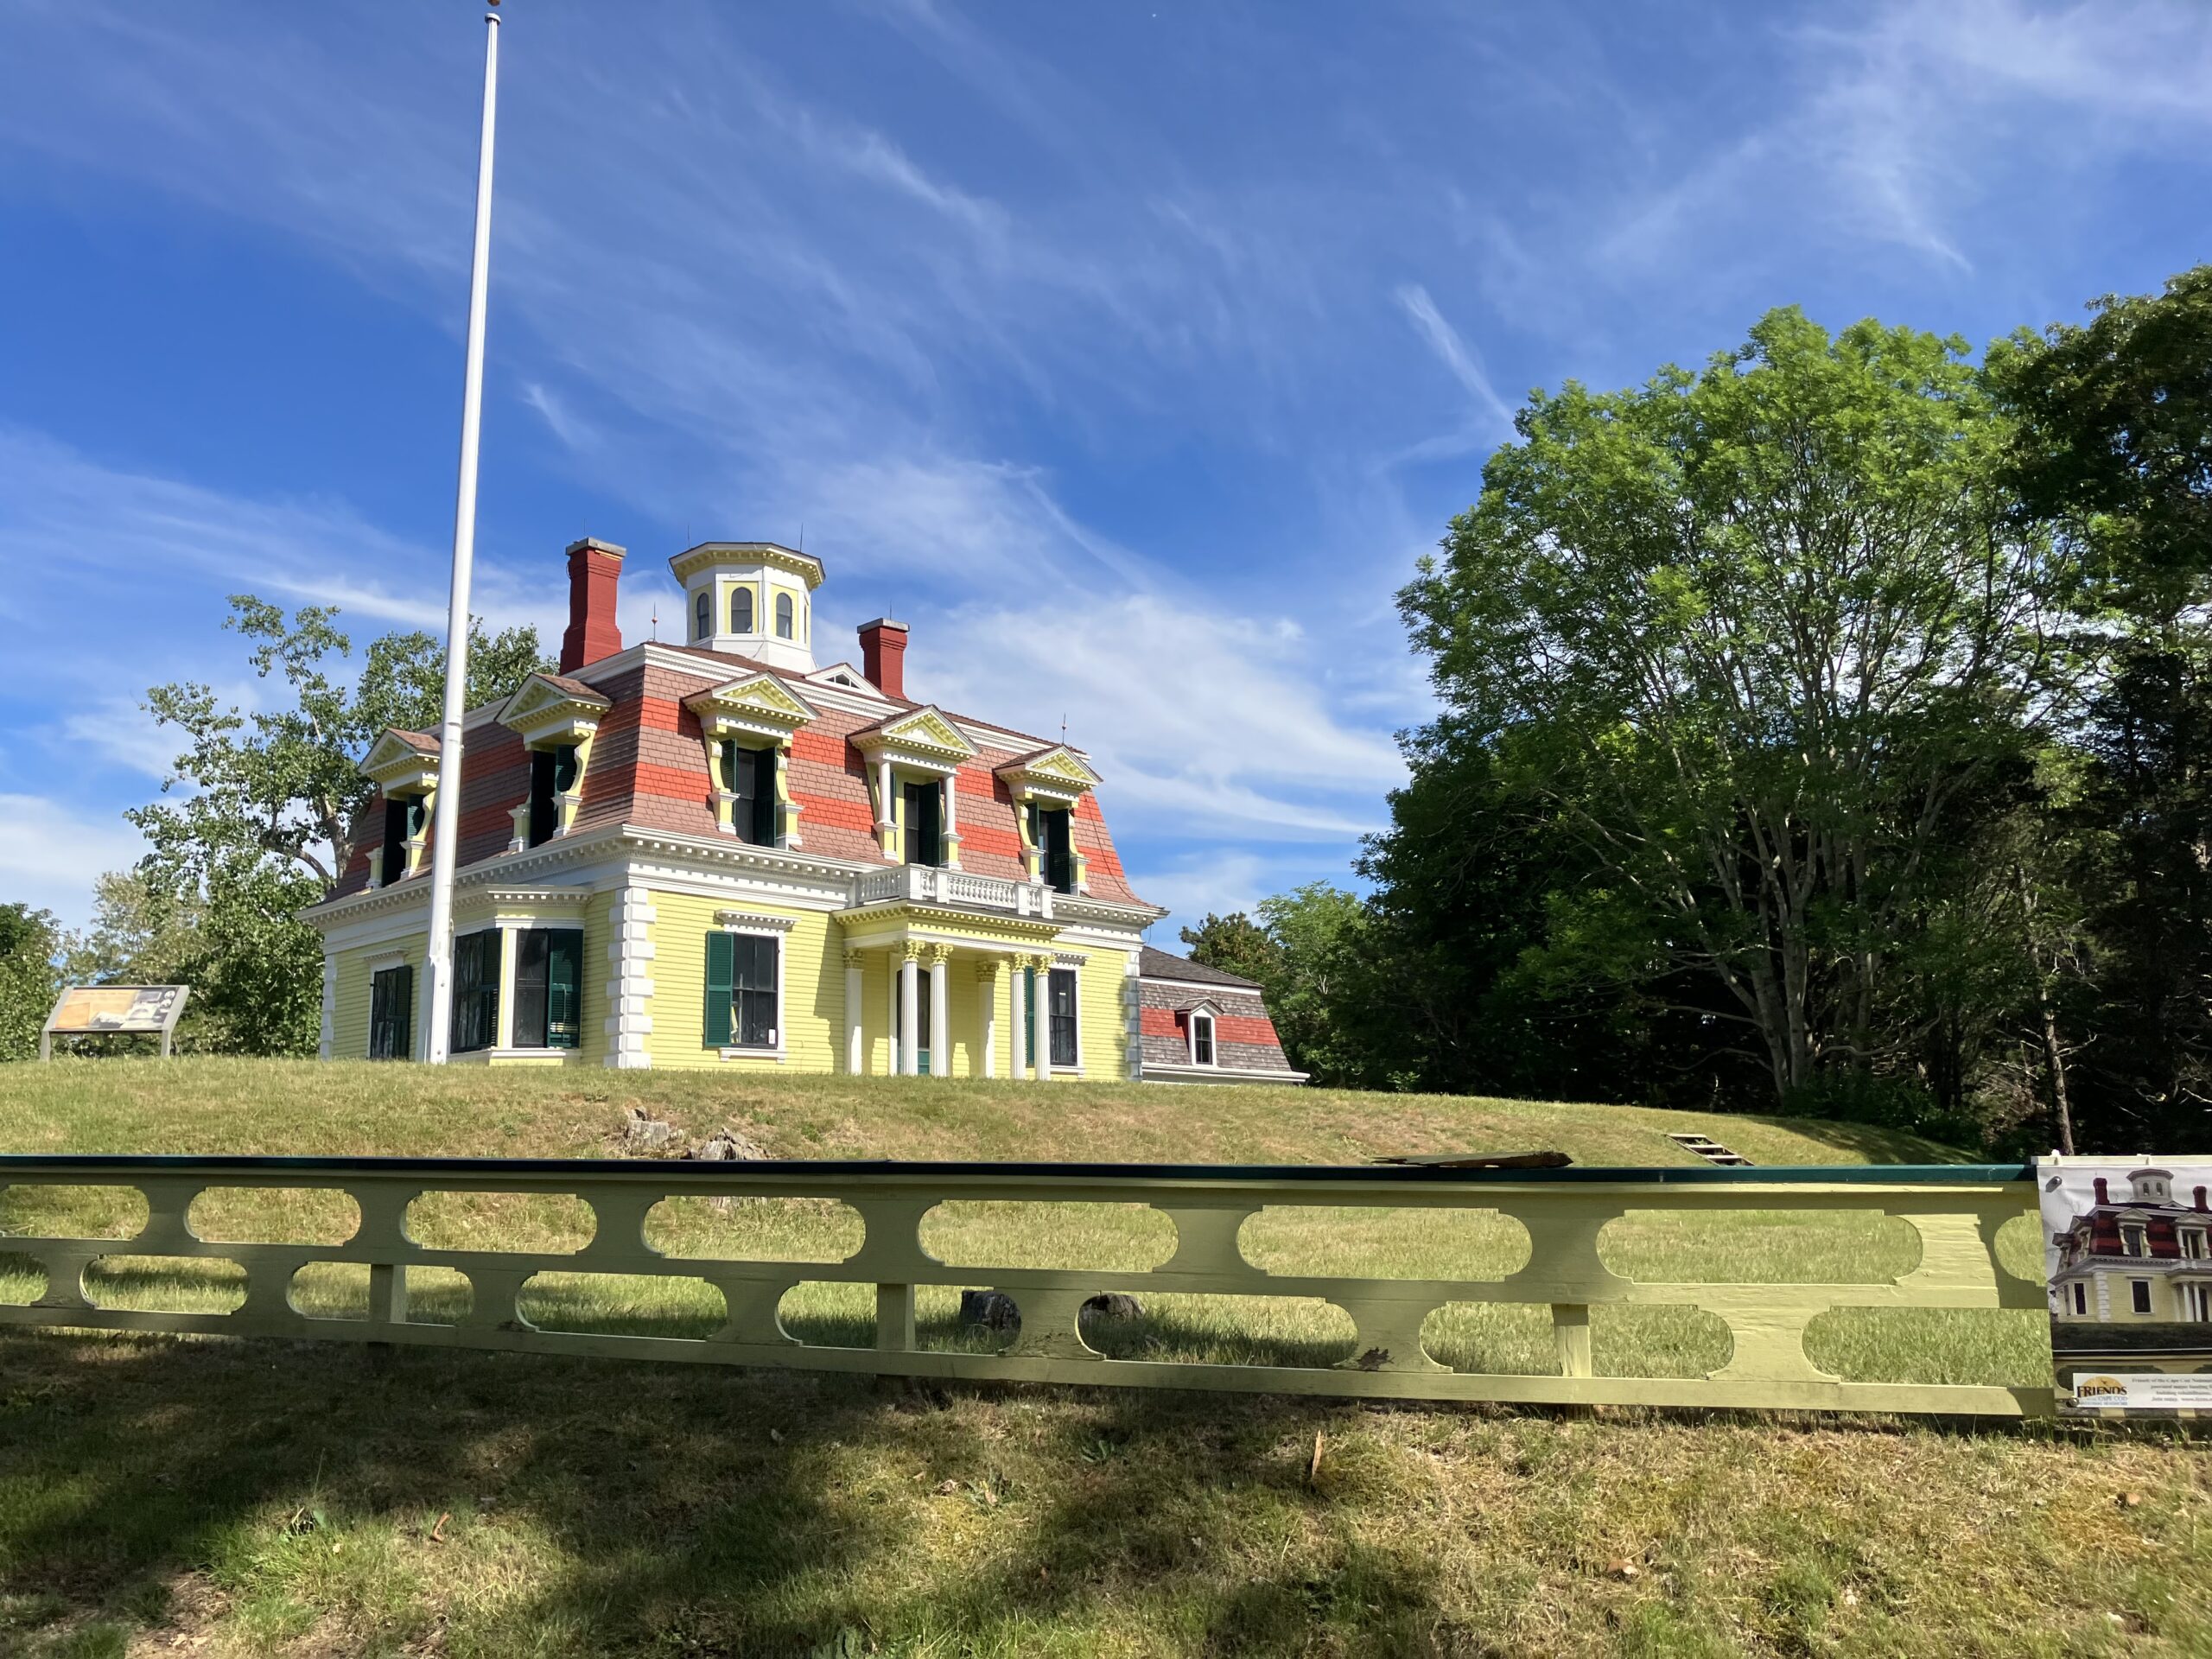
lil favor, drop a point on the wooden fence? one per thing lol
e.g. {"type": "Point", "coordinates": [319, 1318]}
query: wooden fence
{"type": "Point", "coordinates": [1956, 1211]}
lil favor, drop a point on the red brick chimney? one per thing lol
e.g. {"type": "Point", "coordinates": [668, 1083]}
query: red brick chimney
{"type": "Point", "coordinates": [2101, 1199]}
{"type": "Point", "coordinates": [2199, 1197]}
{"type": "Point", "coordinates": [595, 568]}
{"type": "Point", "coordinates": [883, 656]}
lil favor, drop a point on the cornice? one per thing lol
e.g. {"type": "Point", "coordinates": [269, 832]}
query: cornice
{"type": "Point", "coordinates": [708, 554]}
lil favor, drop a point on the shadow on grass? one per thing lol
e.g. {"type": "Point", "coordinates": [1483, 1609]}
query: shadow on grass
{"type": "Point", "coordinates": [606, 1507]}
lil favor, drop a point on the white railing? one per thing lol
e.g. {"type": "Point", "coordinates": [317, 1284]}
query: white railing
{"type": "Point", "coordinates": [920, 884]}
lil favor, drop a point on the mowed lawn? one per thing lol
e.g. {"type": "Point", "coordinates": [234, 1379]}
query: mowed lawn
{"type": "Point", "coordinates": [216, 1496]}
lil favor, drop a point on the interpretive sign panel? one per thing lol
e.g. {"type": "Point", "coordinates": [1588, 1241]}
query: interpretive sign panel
{"type": "Point", "coordinates": [101, 1010]}
{"type": "Point", "coordinates": [2127, 1243]}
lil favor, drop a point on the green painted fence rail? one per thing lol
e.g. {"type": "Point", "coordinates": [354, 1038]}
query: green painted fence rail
{"type": "Point", "coordinates": [1956, 1210]}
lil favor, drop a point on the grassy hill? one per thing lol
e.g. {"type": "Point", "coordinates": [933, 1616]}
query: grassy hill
{"type": "Point", "coordinates": [219, 1498]}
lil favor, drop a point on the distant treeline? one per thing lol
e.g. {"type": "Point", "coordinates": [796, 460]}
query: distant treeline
{"type": "Point", "coordinates": [1825, 731]}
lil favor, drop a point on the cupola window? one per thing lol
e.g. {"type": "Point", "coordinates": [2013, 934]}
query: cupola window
{"type": "Point", "coordinates": [741, 610]}
{"type": "Point", "coordinates": [702, 617]}
{"type": "Point", "coordinates": [784, 614]}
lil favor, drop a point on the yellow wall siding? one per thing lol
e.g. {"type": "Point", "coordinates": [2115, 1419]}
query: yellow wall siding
{"type": "Point", "coordinates": [349, 1025]}
{"type": "Point", "coordinates": [592, 1003]}
{"type": "Point", "coordinates": [1105, 1012]}
{"type": "Point", "coordinates": [814, 985]}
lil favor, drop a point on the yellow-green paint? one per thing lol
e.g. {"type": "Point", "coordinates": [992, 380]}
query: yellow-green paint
{"type": "Point", "coordinates": [1102, 1011]}
{"type": "Point", "coordinates": [1957, 1223]}
{"type": "Point", "coordinates": [355, 969]}
{"type": "Point", "coordinates": [813, 1010]}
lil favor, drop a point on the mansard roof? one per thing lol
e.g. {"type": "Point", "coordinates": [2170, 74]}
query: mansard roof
{"type": "Point", "coordinates": [1155, 963]}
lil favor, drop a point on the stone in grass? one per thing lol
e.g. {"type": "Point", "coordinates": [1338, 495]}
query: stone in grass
{"type": "Point", "coordinates": [642, 1132]}
{"type": "Point", "coordinates": [994, 1310]}
{"type": "Point", "coordinates": [727, 1145]}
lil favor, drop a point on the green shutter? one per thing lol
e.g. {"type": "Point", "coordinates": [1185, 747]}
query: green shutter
{"type": "Point", "coordinates": [763, 798]}
{"type": "Point", "coordinates": [721, 972]}
{"type": "Point", "coordinates": [1030, 1012]}
{"type": "Point", "coordinates": [564, 962]}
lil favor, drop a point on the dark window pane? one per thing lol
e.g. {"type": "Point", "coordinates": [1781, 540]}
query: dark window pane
{"type": "Point", "coordinates": [564, 961]}
{"type": "Point", "coordinates": [1057, 849]}
{"type": "Point", "coordinates": [391, 1013]}
{"type": "Point", "coordinates": [393, 865]}
{"type": "Point", "coordinates": [741, 610]}
{"type": "Point", "coordinates": [754, 1000]}
{"type": "Point", "coordinates": [783, 616]}
{"type": "Point", "coordinates": [1063, 1016]}
{"type": "Point", "coordinates": [703, 616]}
{"type": "Point", "coordinates": [476, 991]}
{"type": "Point", "coordinates": [531, 951]}
{"type": "Point", "coordinates": [1202, 1039]}
{"type": "Point", "coordinates": [2142, 1289]}
{"type": "Point", "coordinates": [924, 824]}
{"type": "Point", "coordinates": [540, 826]}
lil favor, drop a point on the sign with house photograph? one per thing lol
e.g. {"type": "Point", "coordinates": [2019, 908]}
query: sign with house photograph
{"type": "Point", "coordinates": [106, 1010]}
{"type": "Point", "coordinates": [2127, 1247]}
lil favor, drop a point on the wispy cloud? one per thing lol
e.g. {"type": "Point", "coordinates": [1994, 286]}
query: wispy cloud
{"type": "Point", "coordinates": [1453, 352]}
{"type": "Point", "coordinates": [50, 854]}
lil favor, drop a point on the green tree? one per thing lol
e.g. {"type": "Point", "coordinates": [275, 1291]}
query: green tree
{"type": "Point", "coordinates": [30, 943]}
{"type": "Point", "coordinates": [1753, 638]}
{"type": "Point", "coordinates": [271, 804]}
{"type": "Point", "coordinates": [1235, 944]}
{"type": "Point", "coordinates": [2112, 450]}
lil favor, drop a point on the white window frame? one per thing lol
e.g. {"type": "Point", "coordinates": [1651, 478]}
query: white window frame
{"type": "Point", "coordinates": [1044, 1016]}
{"type": "Point", "coordinates": [778, 929]}
{"type": "Point", "coordinates": [2144, 1298]}
{"type": "Point", "coordinates": [2081, 1298]}
{"type": "Point", "coordinates": [2193, 1242]}
{"type": "Point", "coordinates": [1204, 1011]}
{"type": "Point", "coordinates": [2135, 1239]}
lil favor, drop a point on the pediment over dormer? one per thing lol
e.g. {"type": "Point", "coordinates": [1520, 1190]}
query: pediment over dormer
{"type": "Point", "coordinates": [553, 708]}
{"type": "Point", "coordinates": [402, 762]}
{"type": "Point", "coordinates": [924, 738]}
{"type": "Point", "coordinates": [1055, 774]}
{"type": "Point", "coordinates": [756, 705]}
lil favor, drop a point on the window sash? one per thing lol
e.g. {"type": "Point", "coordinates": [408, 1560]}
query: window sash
{"type": "Point", "coordinates": [754, 994]}
{"type": "Point", "coordinates": [741, 610]}
{"type": "Point", "coordinates": [924, 830]}
{"type": "Point", "coordinates": [391, 1009]}
{"type": "Point", "coordinates": [703, 616]}
{"type": "Point", "coordinates": [476, 991]}
{"type": "Point", "coordinates": [2139, 1292]}
{"type": "Point", "coordinates": [392, 856]}
{"type": "Point", "coordinates": [1061, 991]}
{"type": "Point", "coordinates": [749, 774]}
{"type": "Point", "coordinates": [548, 991]}
{"type": "Point", "coordinates": [784, 616]}
{"type": "Point", "coordinates": [1202, 1039]}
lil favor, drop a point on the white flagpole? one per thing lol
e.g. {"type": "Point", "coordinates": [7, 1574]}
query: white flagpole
{"type": "Point", "coordinates": [446, 821]}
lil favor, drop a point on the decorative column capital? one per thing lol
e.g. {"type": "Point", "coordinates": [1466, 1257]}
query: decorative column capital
{"type": "Point", "coordinates": [987, 970]}
{"type": "Point", "coordinates": [911, 949]}
{"type": "Point", "coordinates": [854, 958]}
{"type": "Point", "coordinates": [938, 954]}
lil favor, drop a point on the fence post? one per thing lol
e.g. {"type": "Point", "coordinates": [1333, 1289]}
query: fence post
{"type": "Point", "coordinates": [1571, 1336]}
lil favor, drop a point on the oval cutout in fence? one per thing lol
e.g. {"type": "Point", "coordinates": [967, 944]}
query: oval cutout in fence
{"type": "Point", "coordinates": [1011, 1233]}
{"type": "Point", "coordinates": [2007, 1346]}
{"type": "Point", "coordinates": [165, 1284]}
{"type": "Point", "coordinates": [22, 1278]}
{"type": "Point", "coordinates": [67, 1211]}
{"type": "Point", "coordinates": [828, 1314]}
{"type": "Point", "coordinates": [546, 1224]}
{"type": "Point", "coordinates": [1493, 1339]}
{"type": "Point", "coordinates": [1759, 1247]}
{"type": "Point", "coordinates": [623, 1305]}
{"type": "Point", "coordinates": [1376, 1241]}
{"type": "Point", "coordinates": [330, 1290]}
{"type": "Point", "coordinates": [754, 1229]}
{"type": "Point", "coordinates": [274, 1215]}
{"type": "Point", "coordinates": [1188, 1330]}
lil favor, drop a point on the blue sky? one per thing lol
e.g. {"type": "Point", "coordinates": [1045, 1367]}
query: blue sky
{"type": "Point", "coordinates": [1132, 353]}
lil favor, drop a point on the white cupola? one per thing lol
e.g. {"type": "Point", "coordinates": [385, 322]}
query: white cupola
{"type": "Point", "coordinates": [751, 599]}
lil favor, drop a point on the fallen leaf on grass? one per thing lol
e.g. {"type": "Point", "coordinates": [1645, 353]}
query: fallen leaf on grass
{"type": "Point", "coordinates": [438, 1530]}
{"type": "Point", "coordinates": [1621, 1567]}
{"type": "Point", "coordinates": [1313, 1469]}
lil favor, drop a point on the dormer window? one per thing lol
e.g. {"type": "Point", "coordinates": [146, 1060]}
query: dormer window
{"type": "Point", "coordinates": [702, 618]}
{"type": "Point", "coordinates": [741, 610]}
{"type": "Point", "coordinates": [1052, 834]}
{"type": "Point", "coordinates": [552, 774]}
{"type": "Point", "coordinates": [749, 775]}
{"type": "Point", "coordinates": [922, 816]}
{"type": "Point", "coordinates": [403, 816]}
{"type": "Point", "coordinates": [1202, 1039]}
{"type": "Point", "coordinates": [2134, 1238]}
{"type": "Point", "coordinates": [786, 626]}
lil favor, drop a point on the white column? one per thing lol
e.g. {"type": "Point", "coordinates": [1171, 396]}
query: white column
{"type": "Point", "coordinates": [909, 1019]}
{"type": "Point", "coordinates": [941, 1013]}
{"type": "Point", "coordinates": [330, 1006]}
{"type": "Point", "coordinates": [1039, 1012]}
{"type": "Point", "coordinates": [887, 812]}
{"type": "Point", "coordinates": [951, 821]}
{"type": "Point", "coordinates": [987, 992]}
{"type": "Point", "coordinates": [1017, 1067]}
{"type": "Point", "coordinates": [504, 1036]}
{"type": "Point", "coordinates": [854, 1059]}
